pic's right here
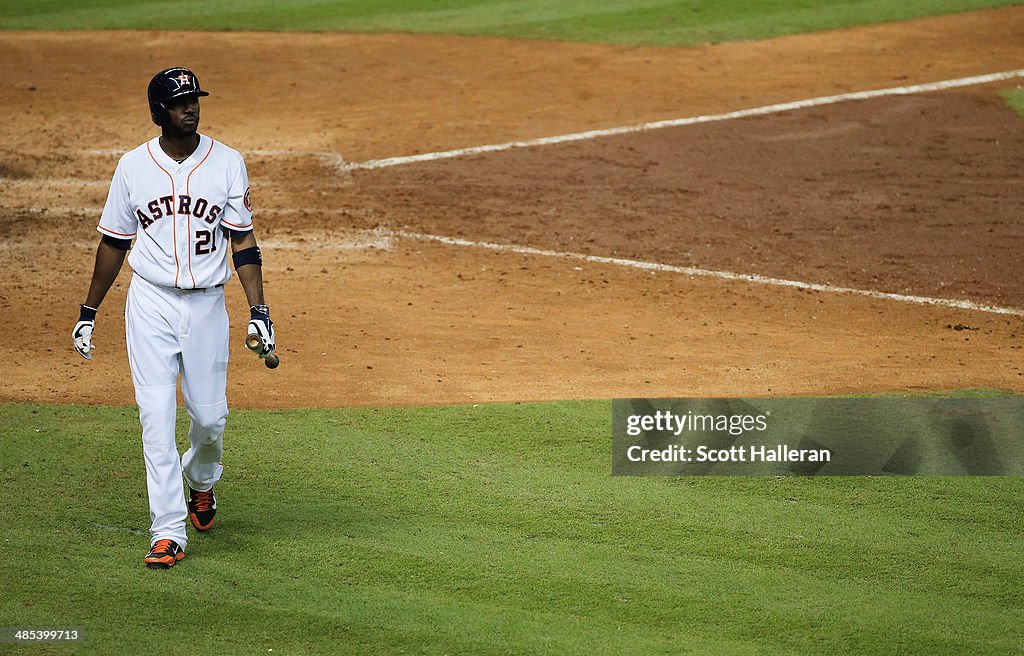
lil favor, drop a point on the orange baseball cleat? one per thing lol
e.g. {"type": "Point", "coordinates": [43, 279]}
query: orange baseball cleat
{"type": "Point", "coordinates": [164, 554]}
{"type": "Point", "coordinates": [202, 507]}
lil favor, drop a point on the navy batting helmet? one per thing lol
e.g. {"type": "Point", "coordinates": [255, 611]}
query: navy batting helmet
{"type": "Point", "coordinates": [172, 83]}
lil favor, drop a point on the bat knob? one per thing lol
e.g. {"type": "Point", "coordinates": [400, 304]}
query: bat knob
{"type": "Point", "coordinates": [272, 361]}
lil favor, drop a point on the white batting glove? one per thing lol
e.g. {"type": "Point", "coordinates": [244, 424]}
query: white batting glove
{"type": "Point", "coordinates": [82, 334]}
{"type": "Point", "coordinates": [261, 326]}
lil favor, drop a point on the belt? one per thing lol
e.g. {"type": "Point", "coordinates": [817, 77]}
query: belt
{"type": "Point", "coordinates": [180, 289]}
{"type": "Point", "coordinates": [197, 290]}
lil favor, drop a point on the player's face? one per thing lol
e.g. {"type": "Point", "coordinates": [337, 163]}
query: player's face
{"type": "Point", "coordinates": [184, 114]}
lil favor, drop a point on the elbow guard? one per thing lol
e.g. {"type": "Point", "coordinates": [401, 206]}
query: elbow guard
{"type": "Point", "coordinates": [248, 256]}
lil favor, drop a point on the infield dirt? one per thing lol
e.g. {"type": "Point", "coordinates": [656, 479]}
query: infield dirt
{"type": "Point", "coordinates": [918, 194]}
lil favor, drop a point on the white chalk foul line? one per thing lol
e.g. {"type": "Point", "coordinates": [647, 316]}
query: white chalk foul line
{"type": "Point", "coordinates": [671, 123]}
{"type": "Point", "coordinates": [334, 160]}
{"type": "Point", "coordinates": [709, 273]}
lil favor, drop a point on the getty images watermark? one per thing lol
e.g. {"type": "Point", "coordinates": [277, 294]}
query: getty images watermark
{"type": "Point", "coordinates": [733, 425]}
{"type": "Point", "coordinates": [945, 436]}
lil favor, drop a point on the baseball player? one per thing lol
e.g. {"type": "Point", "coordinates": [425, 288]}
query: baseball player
{"type": "Point", "coordinates": [183, 198]}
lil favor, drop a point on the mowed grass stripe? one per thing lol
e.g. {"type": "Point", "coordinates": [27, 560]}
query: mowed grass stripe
{"type": "Point", "coordinates": [490, 530]}
{"type": "Point", "coordinates": [653, 22]}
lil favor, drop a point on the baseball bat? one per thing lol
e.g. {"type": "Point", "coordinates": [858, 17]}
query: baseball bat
{"type": "Point", "coordinates": [253, 342]}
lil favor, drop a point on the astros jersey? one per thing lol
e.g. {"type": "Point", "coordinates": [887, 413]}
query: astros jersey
{"type": "Point", "coordinates": [175, 212]}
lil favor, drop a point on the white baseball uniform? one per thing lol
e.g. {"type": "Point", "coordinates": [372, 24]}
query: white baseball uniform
{"type": "Point", "coordinates": [175, 318]}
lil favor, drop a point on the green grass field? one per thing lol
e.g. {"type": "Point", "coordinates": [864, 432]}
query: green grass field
{"type": "Point", "coordinates": [1015, 99]}
{"type": "Point", "coordinates": [493, 530]}
{"type": "Point", "coordinates": [655, 22]}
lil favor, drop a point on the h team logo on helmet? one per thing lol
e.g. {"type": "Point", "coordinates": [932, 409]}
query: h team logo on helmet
{"type": "Point", "coordinates": [183, 80]}
{"type": "Point", "coordinates": [171, 83]}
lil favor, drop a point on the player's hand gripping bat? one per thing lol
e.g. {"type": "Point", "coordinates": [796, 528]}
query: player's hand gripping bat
{"type": "Point", "coordinates": [254, 343]}
{"type": "Point", "coordinates": [260, 335]}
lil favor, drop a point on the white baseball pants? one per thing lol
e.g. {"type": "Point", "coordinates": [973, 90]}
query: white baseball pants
{"type": "Point", "coordinates": [172, 331]}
